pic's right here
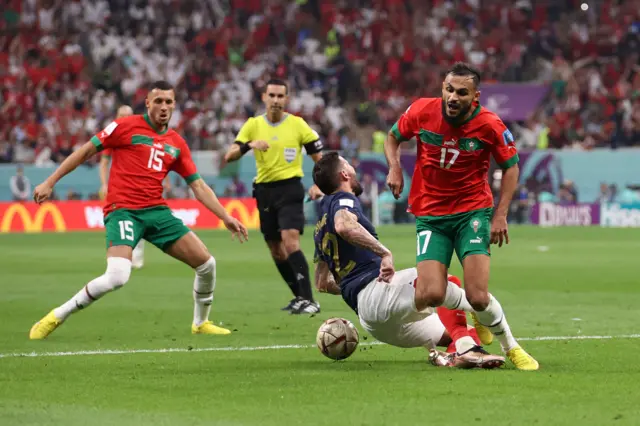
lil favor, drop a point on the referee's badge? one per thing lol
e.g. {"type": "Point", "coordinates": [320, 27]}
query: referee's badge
{"type": "Point", "coordinates": [290, 154]}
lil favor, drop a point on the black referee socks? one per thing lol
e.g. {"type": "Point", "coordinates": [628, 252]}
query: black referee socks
{"type": "Point", "coordinates": [301, 269]}
{"type": "Point", "coordinates": [286, 270]}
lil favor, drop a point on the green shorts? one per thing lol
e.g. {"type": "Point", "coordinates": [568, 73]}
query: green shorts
{"type": "Point", "coordinates": [467, 233]}
{"type": "Point", "coordinates": [126, 227]}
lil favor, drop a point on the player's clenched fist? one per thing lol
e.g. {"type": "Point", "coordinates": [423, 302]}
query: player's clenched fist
{"type": "Point", "coordinates": [395, 181]}
{"type": "Point", "coordinates": [499, 231]}
{"type": "Point", "coordinates": [42, 192]}
{"type": "Point", "coordinates": [237, 229]}
{"type": "Point", "coordinates": [315, 193]}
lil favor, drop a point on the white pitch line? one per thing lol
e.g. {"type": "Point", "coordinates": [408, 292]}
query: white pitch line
{"type": "Point", "coordinates": [262, 348]}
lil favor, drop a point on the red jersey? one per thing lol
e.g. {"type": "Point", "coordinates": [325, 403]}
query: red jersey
{"type": "Point", "coordinates": [452, 164]}
{"type": "Point", "coordinates": [141, 158]}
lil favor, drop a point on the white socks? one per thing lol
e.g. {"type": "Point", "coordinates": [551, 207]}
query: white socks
{"type": "Point", "coordinates": [493, 318]}
{"type": "Point", "coordinates": [117, 275]}
{"type": "Point", "coordinates": [464, 344]}
{"type": "Point", "coordinates": [203, 287]}
{"type": "Point", "coordinates": [137, 257]}
{"type": "Point", "coordinates": [455, 298]}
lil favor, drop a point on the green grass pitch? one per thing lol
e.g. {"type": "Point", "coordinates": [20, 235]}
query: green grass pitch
{"type": "Point", "coordinates": [552, 282]}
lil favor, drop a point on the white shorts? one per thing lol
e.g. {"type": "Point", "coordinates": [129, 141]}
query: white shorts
{"type": "Point", "coordinates": [388, 312]}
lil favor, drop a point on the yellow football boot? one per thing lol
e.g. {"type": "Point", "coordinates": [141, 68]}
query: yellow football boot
{"type": "Point", "coordinates": [44, 327]}
{"type": "Point", "coordinates": [522, 360]}
{"type": "Point", "coordinates": [484, 334]}
{"type": "Point", "coordinates": [207, 327]}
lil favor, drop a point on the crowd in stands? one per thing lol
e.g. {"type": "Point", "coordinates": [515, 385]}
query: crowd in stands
{"type": "Point", "coordinates": [65, 66]}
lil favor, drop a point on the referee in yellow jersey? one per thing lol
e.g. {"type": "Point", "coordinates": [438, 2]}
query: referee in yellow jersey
{"type": "Point", "coordinates": [277, 139]}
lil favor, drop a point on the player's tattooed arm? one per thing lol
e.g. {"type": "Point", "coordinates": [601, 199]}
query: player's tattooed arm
{"type": "Point", "coordinates": [325, 281]}
{"type": "Point", "coordinates": [348, 227]}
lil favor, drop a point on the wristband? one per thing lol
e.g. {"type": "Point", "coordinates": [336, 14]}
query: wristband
{"type": "Point", "coordinates": [244, 148]}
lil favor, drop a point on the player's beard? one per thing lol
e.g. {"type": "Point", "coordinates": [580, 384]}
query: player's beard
{"type": "Point", "coordinates": [356, 187]}
{"type": "Point", "coordinates": [462, 113]}
{"type": "Point", "coordinates": [164, 120]}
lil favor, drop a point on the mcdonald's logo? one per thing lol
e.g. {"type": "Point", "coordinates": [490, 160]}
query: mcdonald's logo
{"type": "Point", "coordinates": [33, 223]}
{"type": "Point", "coordinates": [250, 217]}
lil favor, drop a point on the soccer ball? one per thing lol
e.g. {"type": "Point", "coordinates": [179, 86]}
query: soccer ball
{"type": "Point", "coordinates": [337, 338]}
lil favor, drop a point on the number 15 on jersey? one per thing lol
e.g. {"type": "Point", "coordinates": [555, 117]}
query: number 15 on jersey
{"type": "Point", "coordinates": [155, 160]}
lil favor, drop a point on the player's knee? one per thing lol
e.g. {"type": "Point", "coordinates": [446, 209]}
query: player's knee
{"type": "Point", "coordinates": [291, 243]}
{"type": "Point", "coordinates": [118, 271]}
{"type": "Point", "coordinates": [479, 300]}
{"type": "Point", "coordinates": [208, 269]}
{"type": "Point", "coordinates": [429, 292]}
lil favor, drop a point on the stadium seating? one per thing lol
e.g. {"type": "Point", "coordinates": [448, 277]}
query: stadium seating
{"type": "Point", "coordinates": [66, 65]}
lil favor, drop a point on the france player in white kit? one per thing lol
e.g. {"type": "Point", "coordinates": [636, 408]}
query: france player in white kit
{"type": "Point", "coordinates": [352, 262]}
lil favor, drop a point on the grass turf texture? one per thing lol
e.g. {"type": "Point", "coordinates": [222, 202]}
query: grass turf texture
{"type": "Point", "coordinates": [585, 283]}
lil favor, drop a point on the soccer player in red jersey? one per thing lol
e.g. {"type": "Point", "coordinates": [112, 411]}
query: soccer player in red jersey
{"type": "Point", "coordinates": [144, 150]}
{"type": "Point", "coordinates": [452, 201]}
{"type": "Point", "coordinates": [137, 258]}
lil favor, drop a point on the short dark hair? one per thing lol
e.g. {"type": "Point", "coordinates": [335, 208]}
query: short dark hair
{"type": "Point", "coordinates": [277, 82]}
{"type": "Point", "coordinates": [462, 69]}
{"type": "Point", "coordinates": [325, 172]}
{"type": "Point", "coordinates": [161, 85]}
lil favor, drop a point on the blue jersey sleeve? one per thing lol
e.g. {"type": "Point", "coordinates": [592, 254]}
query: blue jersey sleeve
{"type": "Point", "coordinates": [345, 201]}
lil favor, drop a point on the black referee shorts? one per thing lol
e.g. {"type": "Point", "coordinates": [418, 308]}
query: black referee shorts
{"type": "Point", "coordinates": [280, 205]}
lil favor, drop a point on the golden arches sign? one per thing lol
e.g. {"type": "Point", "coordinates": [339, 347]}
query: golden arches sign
{"type": "Point", "coordinates": [33, 223]}
{"type": "Point", "coordinates": [249, 217]}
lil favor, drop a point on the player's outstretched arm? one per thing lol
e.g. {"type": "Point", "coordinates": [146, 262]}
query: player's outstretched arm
{"type": "Point", "coordinates": [395, 178]}
{"type": "Point", "coordinates": [325, 282]}
{"type": "Point", "coordinates": [208, 198]}
{"type": "Point", "coordinates": [350, 230]}
{"type": "Point", "coordinates": [43, 191]}
{"type": "Point", "coordinates": [499, 230]}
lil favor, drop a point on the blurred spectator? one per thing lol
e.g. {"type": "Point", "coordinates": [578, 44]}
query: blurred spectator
{"type": "Point", "coordinates": [521, 203]}
{"type": "Point", "coordinates": [349, 145]}
{"type": "Point", "coordinates": [567, 193]}
{"type": "Point", "coordinates": [72, 195]}
{"type": "Point", "coordinates": [607, 193]}
{"type": "Point", "coordinates": [235, 189]}
{"type": "Point", "coordinates": [20, 185]}
{"type": "Point", "coordinates": [386, 206]}
{"type": "Point", "coordinates": [366, 198]}
{"type": "Point", "coordinates": [613, 193]}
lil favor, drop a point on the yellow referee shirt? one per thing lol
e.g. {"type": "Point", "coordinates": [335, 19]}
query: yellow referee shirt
{"type": "Point", "coordinates": [283, 159]}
